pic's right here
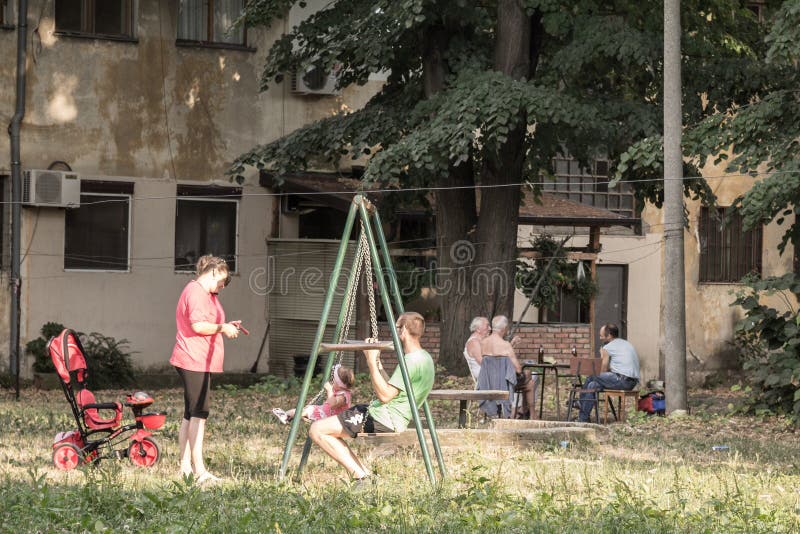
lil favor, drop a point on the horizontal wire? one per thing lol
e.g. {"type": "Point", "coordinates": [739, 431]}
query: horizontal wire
{"type": "Point", "coordinates": [234, 196]}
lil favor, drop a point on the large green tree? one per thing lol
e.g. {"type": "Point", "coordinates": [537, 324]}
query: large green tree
{"type": "Point", "coordinates": [486, 94]}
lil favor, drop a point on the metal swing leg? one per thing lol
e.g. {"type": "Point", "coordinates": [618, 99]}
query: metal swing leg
{"type": "Point", "coordinates": [312, 360]}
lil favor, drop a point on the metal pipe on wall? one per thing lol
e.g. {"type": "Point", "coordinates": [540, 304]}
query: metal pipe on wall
{"type": "Point", "coordinates": [16, 190]}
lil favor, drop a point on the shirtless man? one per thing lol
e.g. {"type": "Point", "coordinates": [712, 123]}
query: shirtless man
{"type": "Point", "coordinates": [479, 328]}
{"type": "Point", "coordinates": [496, 345]}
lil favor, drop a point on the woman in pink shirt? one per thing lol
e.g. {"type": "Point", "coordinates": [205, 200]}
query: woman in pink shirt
{"type": "Point", "coordinates": [199, 352]}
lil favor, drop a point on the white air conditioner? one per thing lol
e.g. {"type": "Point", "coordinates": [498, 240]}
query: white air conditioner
{"type": "Point", "coordinates": [55, 189]}
{"type": "Point", "coordinates": [315, 81]}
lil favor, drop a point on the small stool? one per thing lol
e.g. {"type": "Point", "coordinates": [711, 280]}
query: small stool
{"type": "Point", "coordinates": [620, 395]}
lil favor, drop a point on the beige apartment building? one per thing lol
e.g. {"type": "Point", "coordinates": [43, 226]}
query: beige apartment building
{"type": "Point", "coordinates": [147, 103]}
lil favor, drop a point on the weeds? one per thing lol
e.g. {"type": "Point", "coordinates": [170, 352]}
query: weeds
{"type": "Point", "coordinates": [650, 475]}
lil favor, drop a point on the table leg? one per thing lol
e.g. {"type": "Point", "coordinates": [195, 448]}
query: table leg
{"type": "Point", "coordinates": [541, 392]}
{"type": "Point", "coordinates": [462, 414]}
{"type": "Point", "coordinates": [558, 397]}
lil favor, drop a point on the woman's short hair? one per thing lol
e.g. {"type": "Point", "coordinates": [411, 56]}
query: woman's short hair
{"type": "Point", "coordinates": [210, 262]}
{"type": "Point", "coordinates": [413, 322]}
{"type": "Point", "coordinates": [477, 322]}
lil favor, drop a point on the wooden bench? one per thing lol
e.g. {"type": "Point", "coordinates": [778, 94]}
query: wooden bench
{"type": "Point", "coordinates": [464, 395]}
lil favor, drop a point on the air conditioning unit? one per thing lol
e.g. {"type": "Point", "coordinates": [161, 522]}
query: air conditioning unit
{"type": "Point", "coordinates": [55, 189]}
{"type": "Point", "coordinates": [315, 81]}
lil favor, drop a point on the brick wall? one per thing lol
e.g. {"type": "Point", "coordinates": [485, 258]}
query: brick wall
{"type": "Point", "coordinates": [556, 339]}
{"type": "Point", "coordinates": [429, 342]}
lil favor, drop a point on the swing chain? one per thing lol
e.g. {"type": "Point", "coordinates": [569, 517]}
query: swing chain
{"type": "Point", "coordinates": [373, 313]}
{"type": "Point", "coordinates": [363, 263]}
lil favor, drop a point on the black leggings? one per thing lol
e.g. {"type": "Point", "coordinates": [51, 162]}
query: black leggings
{"type": "Point", "coordinates": [196, 392]}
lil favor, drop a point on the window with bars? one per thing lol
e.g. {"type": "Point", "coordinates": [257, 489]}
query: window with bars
{"type": "Point", "coordinates": [209, 21]}
{"type": "Point", "coordinates": [590, 186]}
{"type": "Point", "coordinates": [727, 251]}
{"type": "Point", "coordinates": [101, 18]}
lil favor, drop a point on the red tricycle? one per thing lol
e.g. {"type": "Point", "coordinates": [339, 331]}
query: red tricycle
{"type": "Point", "coordinates": [99, 431]}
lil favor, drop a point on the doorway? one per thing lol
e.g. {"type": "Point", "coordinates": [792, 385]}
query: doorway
{"type": "Point", "coordinates": [611, 300]}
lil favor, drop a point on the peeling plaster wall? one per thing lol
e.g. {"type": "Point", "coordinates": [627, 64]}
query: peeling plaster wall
{"type": "Point", "coordinates": [710, 319]}
{"type": "Point", "coordinates": [152, 113]}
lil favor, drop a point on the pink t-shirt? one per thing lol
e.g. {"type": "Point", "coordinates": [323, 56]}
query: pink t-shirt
{"type": "Point", "coordinates": [324, 410]}
{"type": "Point", "coordinates": [196, 352]}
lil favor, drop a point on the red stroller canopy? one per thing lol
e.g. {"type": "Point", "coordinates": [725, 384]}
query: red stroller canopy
{"type": "Point", "coordinates": [67, 355]}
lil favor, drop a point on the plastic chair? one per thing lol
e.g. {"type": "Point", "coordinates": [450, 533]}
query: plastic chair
{"type": "Point", "coordinates": [580, 367]}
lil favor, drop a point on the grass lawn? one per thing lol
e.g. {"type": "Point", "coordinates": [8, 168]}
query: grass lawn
{"type": "Point", "coordinates": [648, 475]}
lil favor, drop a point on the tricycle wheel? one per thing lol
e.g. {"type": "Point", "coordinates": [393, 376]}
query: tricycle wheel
{"type": "Point", "coordinates": [67, 457]}
{"type": "Point", "coordinates": [144, 453]}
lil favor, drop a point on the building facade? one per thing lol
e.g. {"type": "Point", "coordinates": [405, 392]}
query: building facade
{"type": "Point", "coordinates": [148, 103]}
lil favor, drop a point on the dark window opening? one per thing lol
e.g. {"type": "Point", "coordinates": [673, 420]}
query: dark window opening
{"type": "Point", "coordinates": [112, 18]}
{"type": "Point", "coordinates": [5, 13]}
{"type": "Point", "coordinates": [5, 226]}
{"type": "Point", "coordinates": [727, 251]}
{"type": "Point", "coordinates": [320, 223]}
{"type": "Point", "coordinates": [209, 21]}
{"type": "Point", "coordinates": [757, 7]}
{"type": "Point", "coordinates": [204, 226]}
{"type": "Point", "coordinates": [96, 235]}
{"type": "Point", "coordinates": [415, 232]}
{"type": "Point", "coordinates": [568, 310]}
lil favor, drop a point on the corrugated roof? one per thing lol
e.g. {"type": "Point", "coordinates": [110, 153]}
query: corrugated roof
{"type": "Point", "coordinates": [548, 209]}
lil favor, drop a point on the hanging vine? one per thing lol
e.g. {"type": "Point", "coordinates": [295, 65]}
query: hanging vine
{"type": "Point", "coordinates": [562, 275]}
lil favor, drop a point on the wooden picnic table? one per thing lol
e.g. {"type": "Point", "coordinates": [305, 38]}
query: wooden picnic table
{"type": "Point", "coordinates": [464, 395]}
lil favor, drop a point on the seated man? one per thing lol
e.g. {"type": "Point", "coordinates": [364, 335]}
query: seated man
{"type": "Point", "coordinates": [622, 362]}
{"type": "Point", "coordinates": [496, 345]}
{"type": "Point", "coordinates": [391, 412]}
{"type": "Point", "coordinates": [479, 328]}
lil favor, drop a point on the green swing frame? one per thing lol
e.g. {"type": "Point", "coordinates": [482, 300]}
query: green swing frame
{"type": "Point", "coordinates": [370, 218]}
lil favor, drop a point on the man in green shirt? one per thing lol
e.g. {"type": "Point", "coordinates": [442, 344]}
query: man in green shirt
{"type": "Point", "coordinates": [391, 412]}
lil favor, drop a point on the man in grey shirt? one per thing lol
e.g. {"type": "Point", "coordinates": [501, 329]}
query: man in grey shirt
{"type": "Point", "coordinates": [622, 364]}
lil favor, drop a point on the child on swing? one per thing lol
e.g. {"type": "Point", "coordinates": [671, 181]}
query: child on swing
{"type": "Point", "coordinates": [337, 401]}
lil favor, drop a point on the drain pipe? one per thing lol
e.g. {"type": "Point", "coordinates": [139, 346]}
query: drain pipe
{"type": "Point", "coordinates": [16, 190]}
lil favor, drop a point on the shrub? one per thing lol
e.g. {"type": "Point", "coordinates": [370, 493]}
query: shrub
{"type": "Point", "coordinates": [769, 346]}
{"type": "Point", "coordinates": [108, 360]}
{"type": "Point", "coordinates": [38, 348]}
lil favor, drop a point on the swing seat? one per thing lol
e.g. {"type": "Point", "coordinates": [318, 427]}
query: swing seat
{"type": "Point", "coordinates": [380, 434]}
{"type": "Point", "coordinates": [350, 345]}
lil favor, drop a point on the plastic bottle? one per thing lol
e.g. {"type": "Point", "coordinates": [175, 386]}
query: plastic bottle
{"type": "Point", "coordinates": [540, 358]}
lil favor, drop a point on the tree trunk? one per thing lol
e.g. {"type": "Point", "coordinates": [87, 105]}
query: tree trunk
{"type": "Point", "coordinates": [455, 219]}
{"type": "Point", "coordinates": [497, 223]}
{"type": "Point", "coordinates": [455, 252]}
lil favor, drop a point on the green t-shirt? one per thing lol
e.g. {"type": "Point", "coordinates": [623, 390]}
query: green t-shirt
{"type": "Point", "coordinates": [396, 413]}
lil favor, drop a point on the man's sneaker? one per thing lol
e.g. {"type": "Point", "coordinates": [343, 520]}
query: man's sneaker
{"type": "Point", "coordinates": [281, 415]}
